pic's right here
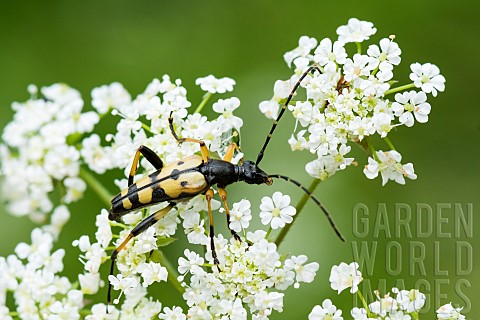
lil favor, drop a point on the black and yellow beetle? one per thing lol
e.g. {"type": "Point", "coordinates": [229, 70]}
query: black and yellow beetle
{"type": "Point", "coordinates": [192, 176]}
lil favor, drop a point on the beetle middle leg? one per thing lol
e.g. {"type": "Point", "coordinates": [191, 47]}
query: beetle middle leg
{"type": "Point", "coordinates": [223, 196]}
{"type": "Point", "coordinates": [203, 147]}
{"type": "Point", "coordinates": [139, 228]}
{"type": "Point", "coordinates": [150, 155]}
{"type": "Point", "coordinates": [209, 196]}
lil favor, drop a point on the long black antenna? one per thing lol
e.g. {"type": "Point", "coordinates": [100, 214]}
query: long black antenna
{"type": "Point", "coordinates": [260, 154]}
{"type": "Point", "coordinates": [298, 184]}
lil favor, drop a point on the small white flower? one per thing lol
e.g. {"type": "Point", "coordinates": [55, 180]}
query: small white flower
{"type": "Point", "coordinates": [410, 104]}
{"type": "Point", "coordinates": [304, 273]}
{"type": "Point", "coordinates": [152, 272]}
{"type": "Point", "coordinates": [327, 311]}
{"type": "Point", "coordinates": [226, 108]}
{"type": "Point", "coordinates": [277, 210]}
{"type": "Point", "coordinates": [427, 77]}
{"type": "Point", "coordinates": [389, 51]}
{"type": "Point", "coordinates": [390, 167]}
{"type": "Point", "coordinates": [305, 45]}
{"type": "Point", "coordinates": [355, 31]}
{"type": "Point", "coordinates": [110, 96]}
{"type": "Point", "coordinates": [75, 188]}
{"type": "Point", "coordinates": [101, 311]}
{"type": "Point", "coordinates": [448, 312]}
{"type": "Point", "coordinates": [240, 215]}
{"type": "Point", "coordinates": [322, 168]}
{"type": "Point", "coordinates": [410, 301]}
{"type": "Point", "coordinates": [360, 66]}
{"type": "Point", "coordinates": [89, 282]}
{"type": "Point", "coordinates": [176, 313]}
{"type": "Point", "coordinates": [360, 314]}
{"type": "Point", "coordinates": [345, 276]}
{"type": "Point", "coordinates": [214, 85]}
{"type": "Point", "coordinates": [193, 259]}
{"type": "Point", "coordinates": [269, 108]}
{"type": "Point", "coordinates": [328, 54]}
{"type": "Point", "coordinates": [194, 228]}
{"type": "Point", "coordinates": [383, 306]}
{"type": "Point", "coordinates": [270, 300]}
{"type": "Point", "coordinates": [125, 284]}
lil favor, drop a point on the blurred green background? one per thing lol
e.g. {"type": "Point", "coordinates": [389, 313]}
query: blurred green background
{"type": "Point", "coordinates": [89, 43]}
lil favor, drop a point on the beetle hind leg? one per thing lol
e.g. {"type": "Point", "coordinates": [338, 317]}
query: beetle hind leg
{"type": "Point", "coordinates": [141, 227]}
{"type": "Point", "coordinates": [151, 156]}
{"type": "Point", "coordinates": [209, 196]}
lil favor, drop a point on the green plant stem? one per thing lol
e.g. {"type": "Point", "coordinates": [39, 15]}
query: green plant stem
{"type": "Point", "coordinates": [203, 103]}
{"type": "Point", "coordinates": [145, 127]}
{"type": "Point", "coordinates": [359, 47]}
{"type": "Point", "coordinates": [99, 189]}
{"type": "Point", "coordinates": [172, 274]}
{"type": "Point", "coordinates": [401, 88]}
{"type": "Point", "coordinates": [364, 303]}
{"type": "Point", "coordinates": [268, 232]}
{"type": "Point", "coordinates": [372, 149]}
{"type": "Point", "coordinates": [390, 144]}
{"type": "Point", "coordinates": [299, 208]}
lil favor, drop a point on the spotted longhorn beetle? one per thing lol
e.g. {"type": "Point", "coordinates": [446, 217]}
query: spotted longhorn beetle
{"type": "Point", "coordinates": [191, 176]}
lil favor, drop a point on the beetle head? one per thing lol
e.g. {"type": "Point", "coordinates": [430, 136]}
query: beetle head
{"type": "Point", "coordinates": [252, 174]}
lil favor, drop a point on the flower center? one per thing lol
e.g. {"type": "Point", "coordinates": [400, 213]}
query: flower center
{"type": "Point", "coordinates": [409, 107]}
{"type": "Point", "coordinates": [276, 212]}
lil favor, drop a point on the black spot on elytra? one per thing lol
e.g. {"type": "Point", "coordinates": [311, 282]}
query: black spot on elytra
{"type": "Point", "coordinates": [180, 163]}
{"type": "Point", "coordinates": [183, 183]}
{"type": "Point", "coordinates": [159, 194]}
{"type": "Point", "coordinates": [175, 174]}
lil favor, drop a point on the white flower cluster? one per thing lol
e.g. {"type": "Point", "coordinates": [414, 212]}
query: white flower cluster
{"type": "Point", "coordinates": [405, 305]}
{"type": "Point", "coordinates": [346, 100]}
{"type": "Point", "coordinates": [251, 275]}
{"type": "Point", "coordinates": [39, 150]}
{"type": "Point", "coordinates": [252, 272]}
{"type": "Point", "coordinates": [144, 120]}
{"type": "Point", "coordinates": [32, 275]}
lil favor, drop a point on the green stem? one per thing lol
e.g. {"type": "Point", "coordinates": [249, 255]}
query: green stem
{"type": "Point", "coordinates": [203, 103]}
{"type": "Point", "coordinates": [172, 274]}
{"type": "Point", "coordinates": [146, 128]}
{"type": "Point", "coordinates": [390, 144]}
{"type": "Point", "coordinates": [84, 312]}
{"type": "Point", "coordinates": [372, 149]}
{"type": "Point", "coordinates": [359, 47]}
{"type": "Point", "coordinates": [364, 303]}
{"type": "Point", "coordinates": [268, 232]}
{"type": "Point", "coordinates": [299, 208]}
{"type": "Point", "coordinates": [401, 88]}
{"type": "Point", "coordinates": [99, 189]}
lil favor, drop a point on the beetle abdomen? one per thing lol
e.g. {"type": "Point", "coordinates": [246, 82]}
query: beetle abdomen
{"type": "Point", "coordinates": [178, 181]}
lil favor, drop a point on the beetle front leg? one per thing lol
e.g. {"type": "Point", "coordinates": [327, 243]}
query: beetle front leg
{"type": "Point", "coordinates": [231, 149]}
{"type": "Point", "coordinates": [209, 196]}
{"type": "Point", "coordinates": [223, 196]}
{"type": "Point", "coordinates": [151, 156]}
{"type": "Point", "coordinates": [203, 147]}
{"type": "Point", "coordinates": [139, 228]}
